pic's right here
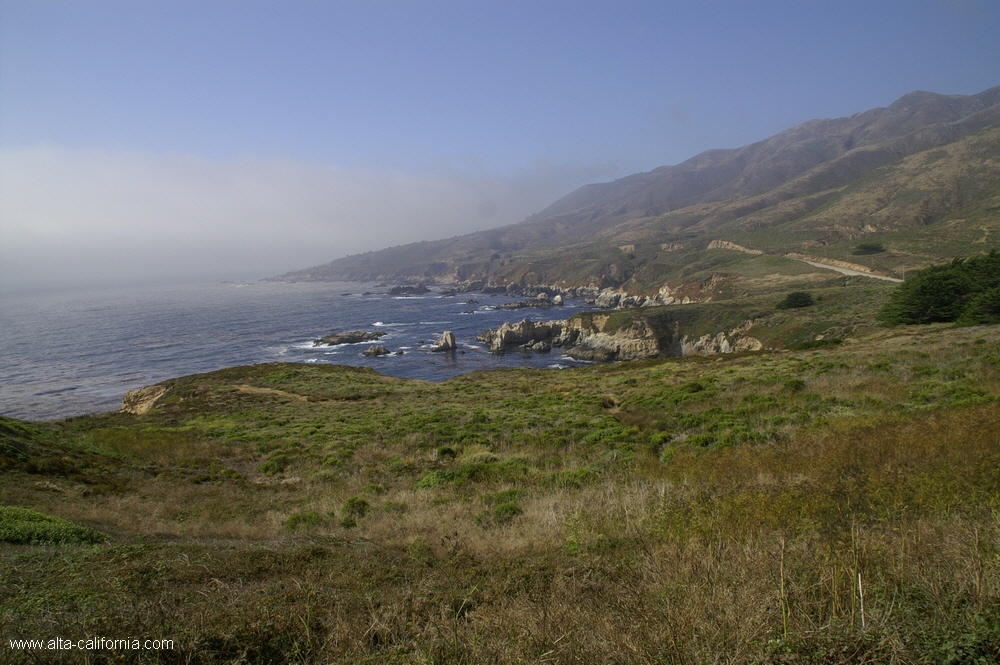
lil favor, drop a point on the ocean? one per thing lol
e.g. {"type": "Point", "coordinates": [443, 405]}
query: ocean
{"type": "Point", "coordinates": [67, 353]}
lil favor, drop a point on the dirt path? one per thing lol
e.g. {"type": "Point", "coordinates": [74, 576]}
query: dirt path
{"type": "Point", "coordinates": [847, 271]}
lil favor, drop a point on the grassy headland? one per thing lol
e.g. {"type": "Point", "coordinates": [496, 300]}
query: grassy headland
{"type": "Point", "coordinates": [840, 504]}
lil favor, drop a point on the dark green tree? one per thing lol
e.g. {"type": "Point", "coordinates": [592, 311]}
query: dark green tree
{"type": "Point", "coordinates": [964, 290]}
{"type": "Point", "coordinates": [868, 248]}
{"type": "Point", "coordinates": [796, 299]}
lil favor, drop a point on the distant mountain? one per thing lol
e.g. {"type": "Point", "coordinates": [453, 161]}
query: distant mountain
{"type": "Point", "coordinates": [921, 177]}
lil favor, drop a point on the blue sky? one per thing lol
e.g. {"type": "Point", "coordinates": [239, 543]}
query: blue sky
{"type": "Point", "coordinates": [255, 137]}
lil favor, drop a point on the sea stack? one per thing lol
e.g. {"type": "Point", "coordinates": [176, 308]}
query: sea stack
{"type": "Point", "coordinates": [446, 343]}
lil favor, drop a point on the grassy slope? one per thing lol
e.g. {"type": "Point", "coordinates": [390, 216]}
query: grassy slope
{"type": "Point", "coordinates": [926, 207]}
{"type": "Point", "coordinates": [687, 510]}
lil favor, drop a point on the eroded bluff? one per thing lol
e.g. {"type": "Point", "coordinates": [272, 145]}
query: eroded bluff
{"type": "Point", "coordinates": [605, 337]}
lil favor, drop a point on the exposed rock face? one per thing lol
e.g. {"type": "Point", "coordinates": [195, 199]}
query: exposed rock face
{"type": "Point", "coordinates": [446, 343]}
{"type": "Point", "coordinates": [354, 337]}
{"type": "Point", "coordinates": [735, 341]}
{"type": "Point", "coordinates": [518, 334]}
{"type": "Point", "coordinates": [141, 400]}
{"type": "Point", "coordinates": [725, 244]}
{"type": "Point", "coordinates": [375, 351]}
{"type": "Point", "coordinates": [617, 299]}
{"type": "Point", "coordinates": [408, 290]}
{"type": "Point", "coordinates": [588, 339]}
{"type": "Point", "coordinates": [596, 337]}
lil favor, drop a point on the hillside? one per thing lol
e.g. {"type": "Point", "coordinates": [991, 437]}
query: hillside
{"type": "Point", "coordinates": [827, 506]}
{"type": "Point", "coordinates": [920, 177]}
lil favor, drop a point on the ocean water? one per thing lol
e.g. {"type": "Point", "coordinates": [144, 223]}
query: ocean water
{"type": "Point", "coordinates": [76, 352]}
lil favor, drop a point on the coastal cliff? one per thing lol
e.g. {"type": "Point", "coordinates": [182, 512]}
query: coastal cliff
{"type": "Point", "coordinates": [602, 337]}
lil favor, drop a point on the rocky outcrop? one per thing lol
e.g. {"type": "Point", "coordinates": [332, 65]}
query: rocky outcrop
{"type": "Point", "coordinates": [602, 337]}
{"type": "Point", "coordinates": [141, 400]}
{"type": "Point", "coordinates": [735, 341]}
{"type": "Point", "coordinates": [725, 244]}
{"type": "Point", "coordinates": [355, 337]}
{"type": "Point", "coordinates": [408, 289]}
{"type": "Point", "coordinates": [446, 343]}
{"type": "Point", "coordinates": [707, 345]}
{"type": "Point", "coordinates": [375, 351]}
{"type": "Point", "coordinates": [525, 332]}
{"type": "Point", "coordinates": [592, 338]}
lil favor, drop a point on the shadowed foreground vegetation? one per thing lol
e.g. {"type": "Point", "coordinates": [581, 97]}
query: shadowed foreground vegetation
{"type": "Point", "coordinates": [839, 505]}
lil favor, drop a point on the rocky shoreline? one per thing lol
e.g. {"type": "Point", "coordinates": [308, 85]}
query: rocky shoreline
{"type": "Point", "coordinates": [595, 337]}
{"type": "Point", "coordinates": [543, 296]}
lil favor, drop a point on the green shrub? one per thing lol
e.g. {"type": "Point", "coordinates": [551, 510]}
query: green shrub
{"type": "Point", "coordinates": [355, 507]}
{"type": "Point", "coordinates": [810, 344]}
{"type": "Point", "coordinates": [275, 464]}
{"type": "Point", "coordinates": [866, 248]}
{"type": "Point", "coordinates": [796, 300]}
{"type": "Point", "coordinates": [576, 478]}
{"type": "Point", "coordinates": [436, 479]}
{"type": "Point", "coordinates": [23, 526]}
{"type": "Point", "coordinates": [302, 521]}
{"type": "Point", "coordinates": [794, 385]}
{"type": "Point", "coordinates": [505, 512]}
{"type": "Point", "coordinates": [501, 514]}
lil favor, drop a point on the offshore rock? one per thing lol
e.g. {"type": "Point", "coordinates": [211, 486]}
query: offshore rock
{"type": "Point", "coordinates": [408, 290]}
{"type": "Point", "coordinates": [354, 337]}
{"type": "Point", "coordinates": [446, 343]}
{"type": "Point", "coordinates": [375, 351]}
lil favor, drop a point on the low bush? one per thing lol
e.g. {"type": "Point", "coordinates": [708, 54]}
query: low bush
{"type": "Point", "coordinates": [355, 507]}
{"type": "Point", "coordinates": [796, 300]}
{"type": "Point", "coordinates": [867, 248]}
{"type": "Point", "coordinates": [23, 526]}
{"type": "Point", "coordinates": [302, 521]}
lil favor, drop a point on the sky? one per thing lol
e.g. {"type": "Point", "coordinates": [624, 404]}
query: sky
{"type": "Point", "coordinates": [159, 140]}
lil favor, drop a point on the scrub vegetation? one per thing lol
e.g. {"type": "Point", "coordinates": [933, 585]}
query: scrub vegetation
{"type": "Point", "coordinates": [837, 504]}
{"type": "Point", "coordinates": [966, 291]}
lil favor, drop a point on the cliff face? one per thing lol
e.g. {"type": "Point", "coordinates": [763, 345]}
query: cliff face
{"type": "Point", "coordinates": [593, 338]}
{"type": "Point", "coordinates": [603, 337]}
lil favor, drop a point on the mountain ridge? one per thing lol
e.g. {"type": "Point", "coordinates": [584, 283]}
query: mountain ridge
{"type": "Point", "coordinates": [734, 194]}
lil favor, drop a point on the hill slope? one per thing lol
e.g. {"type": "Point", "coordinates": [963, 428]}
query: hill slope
{"type": "Point", "coordinates": [831, 506]}
{"type": "Point", "coordinates": [919, 176]}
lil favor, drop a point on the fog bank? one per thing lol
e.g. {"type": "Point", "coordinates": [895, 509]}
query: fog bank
{"type": "Point", "coordinates": [97, 216]}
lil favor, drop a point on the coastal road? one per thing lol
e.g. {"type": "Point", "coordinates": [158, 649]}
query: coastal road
{"type": "Point", "coordinates": [847, 271]}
